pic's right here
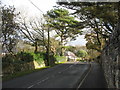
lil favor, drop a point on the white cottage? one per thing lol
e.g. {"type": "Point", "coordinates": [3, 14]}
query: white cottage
{"type": "Point", "coordinates": [70, 56]}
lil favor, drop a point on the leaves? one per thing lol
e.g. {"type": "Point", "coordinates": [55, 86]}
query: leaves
{"type": "Point", "coordinates": [101, 19]}
{"type": "Point", "coordinates": [63, 23]}
{"type": "Point", "coordinates": [9, 29]}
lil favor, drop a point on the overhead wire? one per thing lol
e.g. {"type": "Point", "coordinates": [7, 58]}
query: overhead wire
{"type": "Point", "coordinates": [36, 6]}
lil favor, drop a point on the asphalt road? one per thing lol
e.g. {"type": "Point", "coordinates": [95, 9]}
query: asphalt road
{"type": "Point", "coordinates": [61, 76]}
{"type": "Point", "coordinates": [95, 78]}
{"type": "Point", "coordinates": [68, 75]}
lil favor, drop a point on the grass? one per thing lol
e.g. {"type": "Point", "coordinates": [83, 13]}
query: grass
{"type": "Point", "coordinates": [19, 74]}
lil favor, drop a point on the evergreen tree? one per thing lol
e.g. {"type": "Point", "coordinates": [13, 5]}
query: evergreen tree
{"type": "Point", "coordinates": [65, 25]}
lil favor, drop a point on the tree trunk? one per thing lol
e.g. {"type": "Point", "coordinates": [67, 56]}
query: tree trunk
{"type": "Point", "coordinates": [36, 47]}
{"type": "Point", "coordinates": [61, 44]}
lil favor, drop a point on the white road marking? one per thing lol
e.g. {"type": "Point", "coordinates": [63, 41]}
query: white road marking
{"type": "Point", "coordinates": [31, 86]}
{"type": "Point", "coordinates": [84, 78]}
{"type": "Point", "coordinates": [68, 68]}
{"type": "Point", "coordinates": [44, 79]}
{"type": "Point", "coordinates": [50, 76]}
{"type": "Point", "coordinates": [39, 82]}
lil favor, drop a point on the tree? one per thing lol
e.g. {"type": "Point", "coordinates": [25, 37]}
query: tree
{"type": "Point", "coordinates": [54, 44]}
{"type": "Point", "coordinates": [64, 25]}
{"type": "Point", "coordinates": [99, 18]}
{"type": "Point", "coordinates": [70, 48]}
{"type": "Point", "coordinates": [92, 42]}
{"type": "Point", "coordinates": [92, 54]}
{"type": "Point", "coordinates": [9, 29]}
{"type": "Point", "coordinates": [81, 53]}
{"type": "Point", "coordinates": [34, 31]}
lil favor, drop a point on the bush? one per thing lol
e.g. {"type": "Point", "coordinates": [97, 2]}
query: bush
{"type": "Point", "coordinates": [21, 61]}
{"type": "Point", "coordinates": [25, 57]}
{"type": "Point", "coordinates": [7, 60]}
{"type": "Point", "coordinates": [38, 57]}
{"type": "Point", "coordinates": [60, 58]}
{"type": "Point", "coordinates": [81, 53]}
{"type": "Point", "coordinates": [78, 59]}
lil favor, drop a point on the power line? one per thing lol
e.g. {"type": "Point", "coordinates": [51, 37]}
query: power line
{"type": "Point", "coordinates": [35, 6]}
{"type": "Point", "coordinates": [48, 49]}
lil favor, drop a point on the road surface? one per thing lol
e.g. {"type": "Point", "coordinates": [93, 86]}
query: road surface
{"type": "Point", "coordinates": [94, 78]}
{"type": "Point", "coordinates": [68, 75]}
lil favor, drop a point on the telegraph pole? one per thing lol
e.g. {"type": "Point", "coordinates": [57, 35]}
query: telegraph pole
{"type": "Point", "coordinates": [48, 45]}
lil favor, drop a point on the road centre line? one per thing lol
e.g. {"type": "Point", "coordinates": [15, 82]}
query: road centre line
{"type": "Point", "coordinates": [31, 86]}
{"type": "Point", "coordinates": [84, 78]}
{"type": "Point", "coordinates": [38, 82]}
{"type": "Point", "coordinates": [50, 76]}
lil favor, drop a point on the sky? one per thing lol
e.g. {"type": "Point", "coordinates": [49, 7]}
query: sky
{"type": "Point", "coordinates": [30, 10]}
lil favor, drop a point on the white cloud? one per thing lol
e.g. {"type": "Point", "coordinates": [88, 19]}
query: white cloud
{"type": "Point", "coordinates": [79, 41]}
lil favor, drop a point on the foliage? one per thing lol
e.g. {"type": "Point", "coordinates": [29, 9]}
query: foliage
{"type": "Point", "coordinates": [38, 56]}
{"type": "Point", "coordinates": [54, 46]}
{"type": "Point", "coordinates": [92, 42]}
{"type": "Point", "coordinates": [9, 29]}
{"type": "Point", "coordinates": [99, 18]}
{"type": "Point", "coordinates": [81, 53]}
{"type": "Point", "coordinates": [60, 59]}
{"type": "Point", "coordinates": [19, 58]}
{"type": "Point", "coordinates": [80, 59]}
{"type": "Point", "coordinates": [70, 48]}
{"type": "Point", "coordinates": [18, 64]}
{"type": "Point", "coordinates": [34, 32]}
{"type": "Point", "coordinates": [25, 57]}
{"type": "Point", "coordinates": [63, 24]}
{"type": "Point", "coordinates": [92, 54]}
{"type": "Point", "coordinates": [75, 49]}
{"type": "Point", "coordinates": [7, 60]}
{"type": "Point", "coordinates": [19, 74]}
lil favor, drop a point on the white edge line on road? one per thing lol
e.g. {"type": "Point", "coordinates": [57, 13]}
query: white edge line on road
{"type": "Point", "coordinates": [84, 78]}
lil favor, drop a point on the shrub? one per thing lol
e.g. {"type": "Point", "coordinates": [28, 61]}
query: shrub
{"type": "Point", "coordinates": [25, 57]}
{"type": "Point", "coordinates": [60, 58]}
{"type": "Point", "coordinates": [78, 59]}
{"type": "Point", "coordinates": [7, 60]}
{"type": "Point", "coordinates": [38, 57]}
{"type": "Point", "coordinates": [82, 53]}
{"type": "Point", "coordinates": [21, 61]}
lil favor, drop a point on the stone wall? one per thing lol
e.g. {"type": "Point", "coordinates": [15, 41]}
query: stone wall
{"type": "Point", "coordinates": [110, 59]}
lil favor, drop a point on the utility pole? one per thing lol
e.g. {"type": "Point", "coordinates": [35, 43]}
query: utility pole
{"type": "Point", "coordinates": [48, 46]}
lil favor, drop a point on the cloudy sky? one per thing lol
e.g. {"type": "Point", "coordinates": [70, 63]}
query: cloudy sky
{"type": "Point", "coordinates": [26, 7]}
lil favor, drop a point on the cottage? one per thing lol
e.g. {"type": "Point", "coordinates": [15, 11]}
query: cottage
{"type": "Point", "coordinates": [70, 56]}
